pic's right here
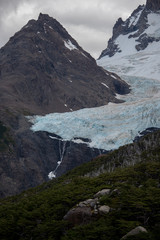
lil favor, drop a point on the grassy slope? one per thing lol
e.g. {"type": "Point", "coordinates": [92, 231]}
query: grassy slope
{"type": "Point", "coordinates": [38, 213]}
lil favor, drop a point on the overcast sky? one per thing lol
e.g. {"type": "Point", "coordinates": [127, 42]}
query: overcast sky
{"type": "Point", "coordinates": [90, 22]}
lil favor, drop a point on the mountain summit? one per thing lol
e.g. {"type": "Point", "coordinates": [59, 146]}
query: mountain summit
{"type": "Point", "coordinates": [143, 26]}
{"type": "Point", "coordinates": [43, 70]}
{"type": "Point", "coordinates": [135, 43]}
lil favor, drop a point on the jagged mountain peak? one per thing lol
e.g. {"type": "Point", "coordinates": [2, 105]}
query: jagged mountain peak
{"type": "Point", "coordinates": [51, 71]}
{"type": "Point", "coordinates": [142, 25]}
{"type": "Point", "coordinates": [44, 16]}
{"type": "Point", "coordinates": [46, 26]}
{"type": "Point", "coordinates": [136, 42]}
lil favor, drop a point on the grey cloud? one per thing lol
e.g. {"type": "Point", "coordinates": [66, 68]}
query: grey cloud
{"type": "Point", "coordinates": [90, 19]}
{"type": "Point", "coordinates": [6, 6]}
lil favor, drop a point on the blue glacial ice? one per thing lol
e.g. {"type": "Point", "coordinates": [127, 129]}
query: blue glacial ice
{"type": "Point", "coordinates": [111, 126]}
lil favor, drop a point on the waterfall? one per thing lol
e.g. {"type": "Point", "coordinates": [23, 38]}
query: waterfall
{"type": "Point", "coordinates": [62, 149]}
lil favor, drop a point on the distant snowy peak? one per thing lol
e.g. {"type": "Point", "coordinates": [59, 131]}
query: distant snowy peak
{"type": "Point", "coordinates": [141, 29]}
{"type": "Point", "coordinates": [134, 48]}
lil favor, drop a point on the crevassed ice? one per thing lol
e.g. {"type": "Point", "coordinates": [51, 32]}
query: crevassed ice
{"type": "Point", "coordinates": [110, 126]}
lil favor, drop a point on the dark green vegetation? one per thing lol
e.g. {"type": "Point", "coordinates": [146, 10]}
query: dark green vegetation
{"type": "Point", "coordinates": [147, 149]}
{"type": "Point", "coordinates": [5, 138]}
{"type": "Point", "coordinates": [38, 213]}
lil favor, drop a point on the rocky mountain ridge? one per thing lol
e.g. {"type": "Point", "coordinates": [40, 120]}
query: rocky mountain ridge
{"type": "Point", "coordinates": [44, 70]}
{"type": "Point", "coordinates": [135, 27]}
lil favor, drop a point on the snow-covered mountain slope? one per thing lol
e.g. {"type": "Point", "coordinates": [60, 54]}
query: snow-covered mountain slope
{"type": "Point", "coordinates": [145, 63]}
{"type": "Point", "coordinates": [131, 59]}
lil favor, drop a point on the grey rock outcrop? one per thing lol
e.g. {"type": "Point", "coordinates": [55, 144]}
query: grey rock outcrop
{"type": "Point", "coordinates": [104, 210]}
{"type": "Point", "coordinates": [102, 192]}
{"type": "Point", "coordinates": [134, 232]}
{"type": "Point", "coordinates": [89, 202]}
{"type": "Point", "coordinates": [88, 210]}
{"type": "Point", "coordinates": [79, 216]}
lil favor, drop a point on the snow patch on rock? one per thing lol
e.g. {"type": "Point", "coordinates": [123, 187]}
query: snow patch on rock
{"type": "Point", "coordinates": [104, 85]}
{"type": "Point", "coordinates": [68, 44]}
{"type": "Point", "coordinates": [134, 19]}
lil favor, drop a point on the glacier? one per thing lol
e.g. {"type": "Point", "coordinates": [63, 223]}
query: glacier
{"type": "Point", "coordinates": [111, 126]}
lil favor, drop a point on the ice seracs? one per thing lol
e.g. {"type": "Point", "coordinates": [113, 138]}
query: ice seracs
{"type": "Point", "coordinates": [110, 126]}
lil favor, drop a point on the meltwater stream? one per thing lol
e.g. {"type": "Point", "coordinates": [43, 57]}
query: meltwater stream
{"type": "Point", "coordinates": [111, 126]}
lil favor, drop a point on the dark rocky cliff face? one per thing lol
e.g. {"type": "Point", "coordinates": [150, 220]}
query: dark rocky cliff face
{"type": "Point", "coordinates": [34, 156]}
{"type": "Point", "coordinates": [44, 70]}
{"type": "Point", "coordinates": [135, 27]}
{"type": "Point", "coordinates": [153, 5]}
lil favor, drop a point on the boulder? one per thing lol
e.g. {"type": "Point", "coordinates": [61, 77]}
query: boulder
{"type": "Point", "coordinates": [135, 231]}
{"type": "Point", "coordinates": [85, 211]}
{"type": "Point", "coordinates": [79, 216]}
{"type": "Point", "coordinates": [102, 193]}
{"type": "Point", "coordinates": [88, 203]}
{"type": "Point", "coordinates": [104, 210]}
